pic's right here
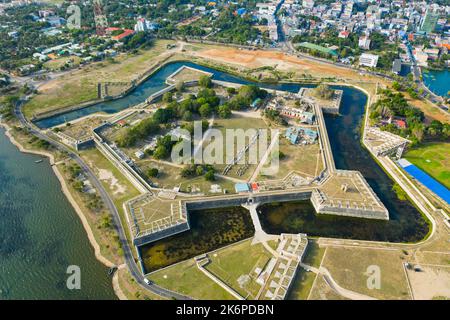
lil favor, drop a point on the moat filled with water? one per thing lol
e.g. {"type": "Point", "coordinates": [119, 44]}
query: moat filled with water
{"type": "Point", "coordinates": [212, 229]}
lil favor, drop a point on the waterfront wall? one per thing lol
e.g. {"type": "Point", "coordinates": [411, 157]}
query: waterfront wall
{"type": "Point", "coordinates": [243, 199]}
{"type": "Point", "coordinates": [142, 240]}
{"type": "Point", "coordinates": [323, 206]}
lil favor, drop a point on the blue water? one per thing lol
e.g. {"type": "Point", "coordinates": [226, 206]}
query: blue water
{"type": "Point", "coordinates": [438, 81]}
{"type": "Point", "coordinates": [153, 84]}
{"type": "Point", "coordinates": [41, 234]}
{"type": "Point", "coordinates": [426, 180]}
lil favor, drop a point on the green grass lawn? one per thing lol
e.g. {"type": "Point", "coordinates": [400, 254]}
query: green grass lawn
{"type": "Point", "coordinates": [302, 285]}
{"type": "Point", "coordinates": [303, 281]}
{"type": "Point", "coordinates": [433, 158]}
{"type": "Point", "coordinates": [349, 267]}
{"type": "Point", "coordinates": [228, 264]}
{"type": "Point", "coordinates": [240, 260]}
{"type": "Point", "coordinates": [187, 279]}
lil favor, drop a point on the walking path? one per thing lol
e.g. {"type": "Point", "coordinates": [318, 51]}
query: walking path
{"type": "Point", "coordinates": [268, 153]}
{"type": "Point", "coordinates": [260, 235]}
{"type": "Point", "coordinates": [352, 295]}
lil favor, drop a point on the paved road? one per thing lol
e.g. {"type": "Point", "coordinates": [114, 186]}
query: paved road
{"type": "Point", "coordinates": [128, 254]}
{"type": "Point", "coordinates": [260, 234]}
{"type": "Point", "coordinates": [415, 69]}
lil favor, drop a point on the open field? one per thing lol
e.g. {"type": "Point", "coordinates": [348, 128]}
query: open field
{"type": "Point", "coordinates": [306, 160]}
{"type": "Point", "coordinates": [187, 279]}
{"type": "Point", "coordinates": [431, 283]}
{"type": "Point", "coordinates": [118, 186]}
{"type": "Point", "coordinates": [56, 64]}
{"type": "Point", "coordinates": [187, 74]}
{"type": "Point", "coordinates": [300, 68]}
{"type": "Point", "coordinates": [433, 158]}
{"type": "Point", "coordinates": [282, 62]}
{"type": "Point", "coordinates": [430, 257]}
{"type": "Point", "coordinates": [322, 291]}
{"type": "Point", "coordinates": [81, 129]}
{"type": "Point", "coordinates": [348, 267]}
{"type": "Point", "coordinates": [236, 265]}
{"type": "Point", "coordinates": [169, 177]}
{"type": "Point", "coordinates": [431, 112]}
{"type": "Point", "coordinates": [80, 86]}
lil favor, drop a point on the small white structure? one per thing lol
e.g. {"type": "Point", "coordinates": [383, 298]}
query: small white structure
{"type": "Point", "coordinates": [364, 43]}
{"type": "Point", "coordinates": [140, 154]}
{"type": "Point", "coordinates": [308, 4]}
{"type": "Point", "coordinates": [368, 60]}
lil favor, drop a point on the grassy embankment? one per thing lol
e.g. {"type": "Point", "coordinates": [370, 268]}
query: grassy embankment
{"type": "Point", "coordinates": [80, 86]}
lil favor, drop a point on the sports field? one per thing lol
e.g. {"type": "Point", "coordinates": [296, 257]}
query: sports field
{"type": "Point", "coordinates": [434, 159]}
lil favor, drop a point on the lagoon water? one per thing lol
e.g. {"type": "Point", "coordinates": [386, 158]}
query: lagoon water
{"type": "Point", "coordinates": [41, 235]}
{"type": "Point", "coordinates": [438, 81]}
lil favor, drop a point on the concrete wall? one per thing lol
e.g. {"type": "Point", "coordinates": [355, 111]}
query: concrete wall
{"type": "Point", "coordinates": [141, 240]}
{"type": "Point", "coordinates": [155, 96]}
{"type": "Point", "coordinates": [352, 212]}
{"type": "Point", "coordinates": [239, 200]}
{"type": "Point", "coordinates": [85, 144]}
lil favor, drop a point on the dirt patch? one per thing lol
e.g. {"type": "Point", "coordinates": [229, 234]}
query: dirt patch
{"type": "Point", "coordinates": [279, 60]}
{"type": "Point", "coordinates": [115, 186]}
{"type": "Point", "coordinates": [431, 112]}
{"type": "Point", "coordinates": [431, 282]}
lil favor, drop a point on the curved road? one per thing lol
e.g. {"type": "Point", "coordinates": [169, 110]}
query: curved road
{"type": "Point", "coordinates": [128, 254]}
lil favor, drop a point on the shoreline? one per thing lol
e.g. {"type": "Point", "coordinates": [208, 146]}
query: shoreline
{"type": "Point", "coordinates": [64, 188]}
